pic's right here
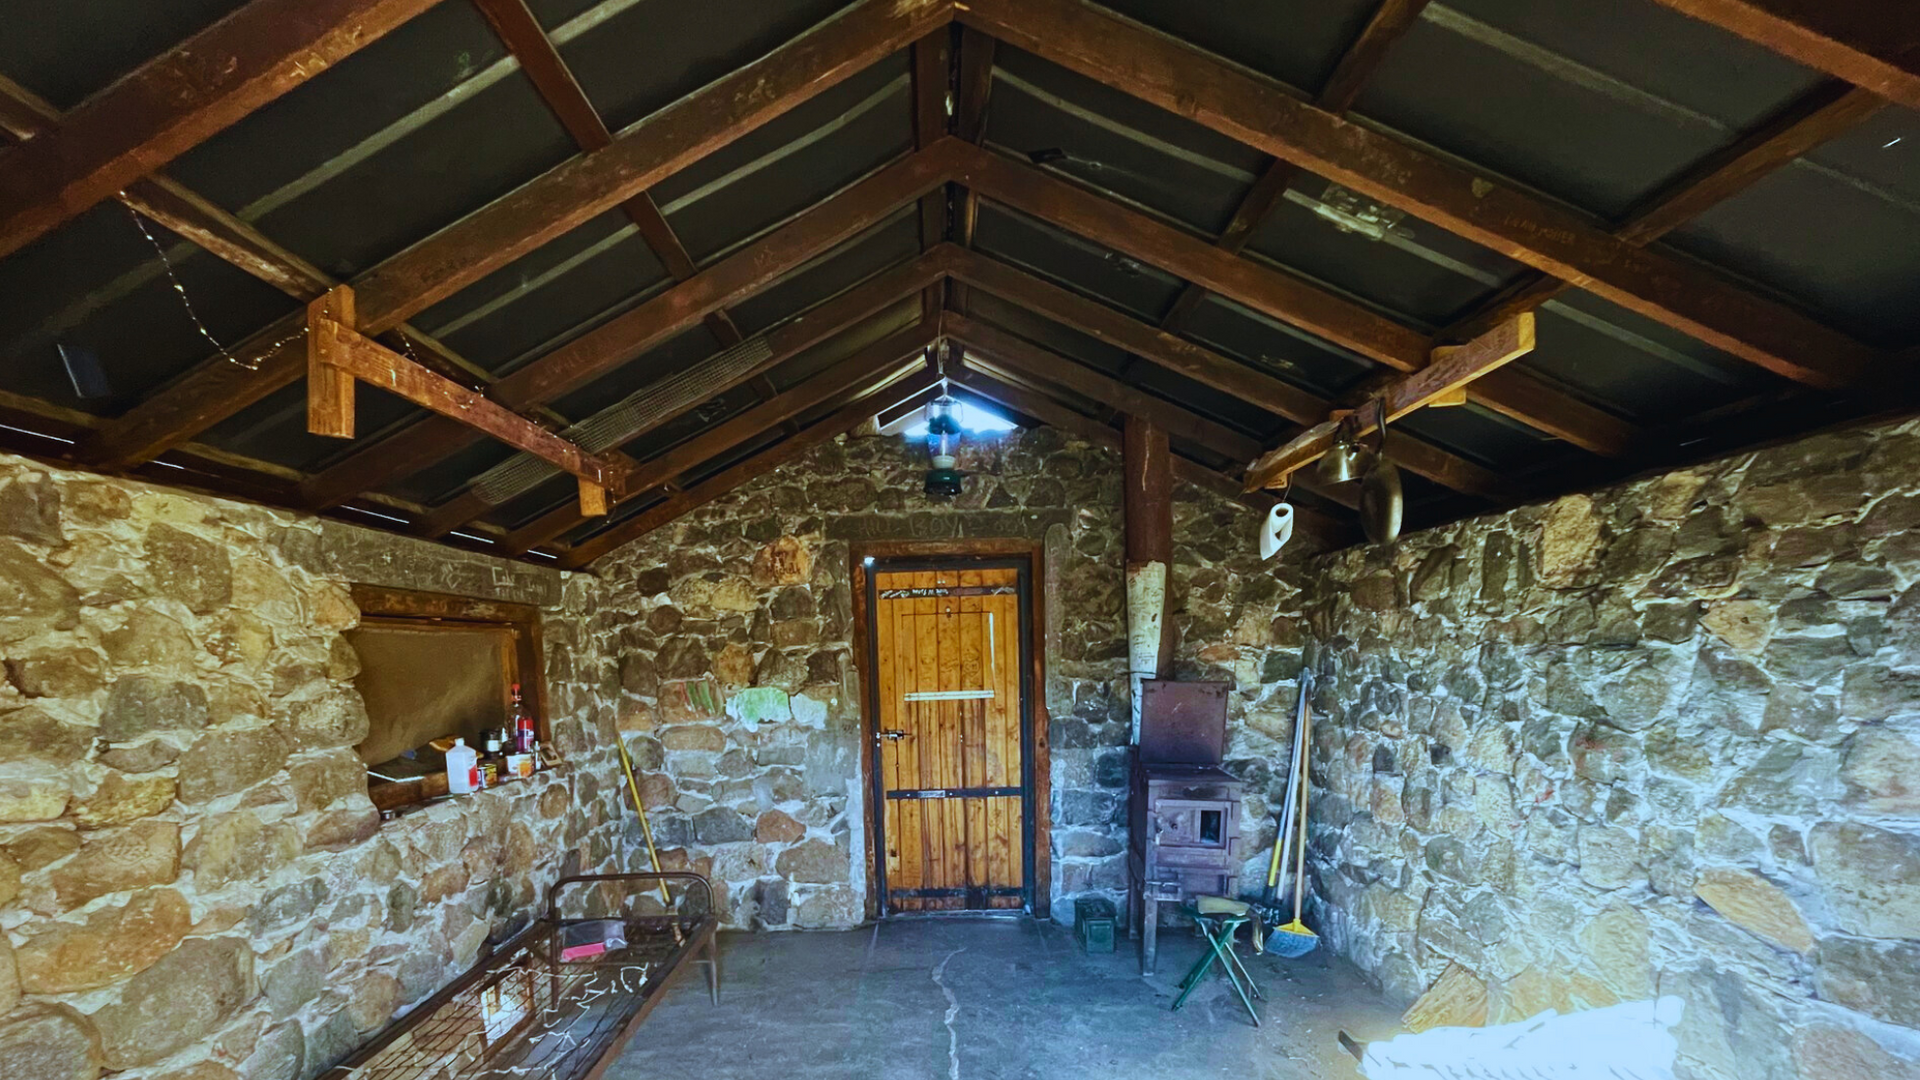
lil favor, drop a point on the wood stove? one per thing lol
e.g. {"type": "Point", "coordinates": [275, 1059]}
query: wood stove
{"type": "Point", "coordinates": [1185, 809]}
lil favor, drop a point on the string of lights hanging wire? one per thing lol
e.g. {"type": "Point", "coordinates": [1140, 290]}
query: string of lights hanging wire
{"type": "Point", "coordinates": [180, 289]}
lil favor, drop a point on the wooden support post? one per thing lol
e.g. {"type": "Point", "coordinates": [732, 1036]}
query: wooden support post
{"type": "Point", "coordinates": [329, 387]}
{"type": "Point", "coordinates": [593, 499]}
{"type": "Point", "coordinates": [1147, 467]}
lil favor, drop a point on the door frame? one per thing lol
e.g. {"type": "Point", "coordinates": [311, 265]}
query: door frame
{"type": "Point", "coordinates": [1037, 775]}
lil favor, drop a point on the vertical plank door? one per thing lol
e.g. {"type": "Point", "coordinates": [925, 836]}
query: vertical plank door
{"type": "Point", "coordinates": [947, 659]}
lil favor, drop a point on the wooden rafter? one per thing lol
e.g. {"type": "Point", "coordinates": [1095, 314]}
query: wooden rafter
{"type": "Point", "coordinates": [186, 214]}
{"type": "Point", "coordinates": [1356, 66]}
{"type": "Point", "coordinates": [990, 346]}
{"type": "Point", "coordinates": [1819, 115]}
{"type": "Point", "coordinates": [1482, 209]}
{"type": "Point", "coordinates": [553, 204]}
{"type": "Point", "coordinates": [1205, 366]}
{"type": "Point", "coordinates": [1279, 295]}
{"type": "Point", "coordinates": [783, 342]}
{"type": "Point", "coordinates": [1874, 44]}
{"type": "Point", "coordinates": [554, 81]}
{"type": "Point", "coordinates": [180, 98]}
{"type": "Point", "coordinates": [844, 420]}
{"type": "Point", "coordinates": [1452, 369]}
{"type": "Point", "coordinates": [867, 370]}
{"type": "Point", "coordinates": [1045, 409]}
{"type": "Point", "coordinates": [339, 355]}
{"type": "Point", "coordinates": [631, 333]}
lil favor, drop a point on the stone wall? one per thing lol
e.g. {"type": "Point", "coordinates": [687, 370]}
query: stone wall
{"type": "Point", "coordinates": [192, 881]}
{"type": "Point", "coordinates": [1662, 739]}
{"type": "Point", "coordinates": [740, 694]}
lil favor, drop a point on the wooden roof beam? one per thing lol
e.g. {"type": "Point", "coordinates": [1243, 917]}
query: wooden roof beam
{"type": "Point", "coordinates": [1821, 114]}
{"type": "Point", "coordinates": [973, 91]}
{"type": "Point", "coordinates": [865, 371]}
{"type": "Point", "coordinates": [844, 420]}
{"type": "Point", "coordinates": [179, 99]}
{"type": "Point", "coordinates": [931, 77]}
{"type": "Point", "coordinates": [1282, 296]}
{"type": "Point", "coordinates": [514, 23]}
{"type": "Point", "coordinates": [1390, 21]}
{"type": "Point", "coordinates": [338, 356]}
{"type": "Point", "coordinates": [1483, 209]}
{"type": "Point", "coordinates": [521, 221]}
{"type": "Point", "coordinates": [626, 336]}
{"type": "Point", "coordinates": [1436, 384]}
{"type": "Point", "coordinates": [1873, 44]}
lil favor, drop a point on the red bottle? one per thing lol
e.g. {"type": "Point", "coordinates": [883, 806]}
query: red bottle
{"type": "Point", "coordinates": [523, 733]}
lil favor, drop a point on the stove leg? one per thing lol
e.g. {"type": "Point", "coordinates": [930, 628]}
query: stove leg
{"type": "Point", "coordinates": [1150, 928]}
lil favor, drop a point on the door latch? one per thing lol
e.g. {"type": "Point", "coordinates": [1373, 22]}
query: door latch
{"type": "Point", "coordinates": [892, 734]}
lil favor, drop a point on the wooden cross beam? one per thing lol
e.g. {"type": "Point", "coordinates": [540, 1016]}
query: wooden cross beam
{"type": "Point", "coordinates": [549, 206]}
{"type": "Point", "coordinates": [1874, 44]}
{"type": "Point", "coordinates": [338, 355]}
{"type": "Point", "coordinates": [845, 419]}
{"type": "Point", "coordinates": [866, 370]}
{"type": "Point", "coordinates": [1451, 370]}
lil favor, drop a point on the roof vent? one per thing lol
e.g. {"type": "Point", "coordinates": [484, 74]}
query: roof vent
{"type": "Point", "coordinates": [1352, 214]}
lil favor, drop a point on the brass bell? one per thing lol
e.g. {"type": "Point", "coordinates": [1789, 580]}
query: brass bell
{"type": "Point", "coordinates": [1342, 462]}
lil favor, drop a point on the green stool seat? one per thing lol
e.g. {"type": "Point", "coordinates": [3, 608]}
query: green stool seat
{"type": "Point", "coordinates": [1218, 923]}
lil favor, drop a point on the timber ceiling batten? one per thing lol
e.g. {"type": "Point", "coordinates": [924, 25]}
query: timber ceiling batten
{"type": "Point", "coordinates": [640, 157]}
{"type": "Point", "coordinates": [179, 99]}
{"type": "Point", "coordinates": [1193, 84]}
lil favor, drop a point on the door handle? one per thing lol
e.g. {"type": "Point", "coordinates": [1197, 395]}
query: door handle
{"type": "Point", "coordinates": [891, 734]}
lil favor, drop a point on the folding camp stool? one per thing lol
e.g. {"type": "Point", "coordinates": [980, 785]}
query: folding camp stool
{"type": "Point", "coordinates": [1218, 920]}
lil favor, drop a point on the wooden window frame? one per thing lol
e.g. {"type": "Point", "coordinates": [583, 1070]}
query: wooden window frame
{"type": "Point", "coordinates": [958, 554]}
{"type": "Point", "coordinates": [387, 606]}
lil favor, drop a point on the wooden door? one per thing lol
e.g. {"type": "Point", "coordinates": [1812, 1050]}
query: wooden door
{"type": "Point", "coordinates": [950, 762]}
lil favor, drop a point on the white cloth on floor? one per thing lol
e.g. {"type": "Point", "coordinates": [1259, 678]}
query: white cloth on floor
{"type": "Point", "coordinates": [1628, 1041]}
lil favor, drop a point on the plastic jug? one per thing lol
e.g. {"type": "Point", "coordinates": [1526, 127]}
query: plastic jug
{"type": "Point", "coordinates": [463, 773]}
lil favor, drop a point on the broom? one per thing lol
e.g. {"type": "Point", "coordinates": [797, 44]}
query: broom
{"type": "Point", "coordinates": [1271, 913]}
{"type": "Point", "coordinates": [1294, 939]}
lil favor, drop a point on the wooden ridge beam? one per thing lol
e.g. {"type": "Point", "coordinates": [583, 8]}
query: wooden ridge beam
{"type": "Point", "coordinates": [179, 99]}
{"type": "Point", "coordinates": [514, 23]}
{"type": "Point", "coordinates": [973, 91]}
{"type": "Point", "coordinates": [523, 220]}
{"type": "Point", "coordinates": [844, 420]}
{"type": "Point", "coordinates": [1452, 368]}
{"type": "Point", "coordinates": [620, 339]}
{"type": "Point", "coordinates": [1873, 44]}
{"type": "Point", "coordinates": [1549, 238]}
{"type": "Point", "coordinates": [1274, 293]}
{"type": "Point", "coordinates": [866, 370]}
{"type": "Point", "coordinates": [1390, 21]}
{"type": "Point", "coordinates": [931, 75]}
{"type": "Point", "coordinates": [339, 355]}
{"type": "Point", "coordinates": [1817, 116]}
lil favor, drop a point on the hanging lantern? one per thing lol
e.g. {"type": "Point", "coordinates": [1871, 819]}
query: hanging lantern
{"type": "Point", "coordinates": [943, 431]}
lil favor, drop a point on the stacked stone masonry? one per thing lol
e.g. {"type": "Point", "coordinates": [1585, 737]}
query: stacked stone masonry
{"type": "Point", "coordinates": [740, 691]}
{"type": "Point", "coordinates": [193, 883]}
{"type": "Point", "coordinates": [1660, 739]}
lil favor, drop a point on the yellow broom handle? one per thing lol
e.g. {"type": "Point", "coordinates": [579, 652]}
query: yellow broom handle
{"type": "Point", "coordinates": [646, 830]}
{"type": "Point", "coordinates": [1300, 857]}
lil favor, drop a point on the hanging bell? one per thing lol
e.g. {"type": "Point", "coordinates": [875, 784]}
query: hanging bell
{"type": "Point", "coordinates": [1342, 462]}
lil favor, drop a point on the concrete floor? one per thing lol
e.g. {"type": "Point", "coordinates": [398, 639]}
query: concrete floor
{"type": "Point", "coordinates": [994, 999]}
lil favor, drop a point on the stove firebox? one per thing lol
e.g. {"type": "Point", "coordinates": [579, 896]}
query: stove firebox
{"type": "Point", "coordinates": [1184, 808]}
